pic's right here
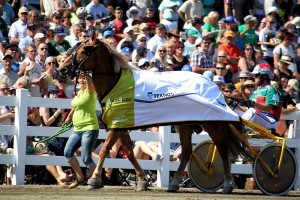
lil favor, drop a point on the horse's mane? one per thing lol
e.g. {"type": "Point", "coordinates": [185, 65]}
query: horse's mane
{"type": "Point", "coordinates": [120, 61]}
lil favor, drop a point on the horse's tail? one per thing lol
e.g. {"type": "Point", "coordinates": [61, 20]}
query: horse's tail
{"type": "Point", "coordinates": [235, 139]}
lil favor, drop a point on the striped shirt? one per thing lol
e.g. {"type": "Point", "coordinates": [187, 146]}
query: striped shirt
{"type": "Point", "coordinates": [201, 59]}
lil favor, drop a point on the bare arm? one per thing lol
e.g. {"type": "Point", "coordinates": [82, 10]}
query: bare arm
{"type": "Point", "coordinates": [160, 16]}
{"type": "Point", "coordinates": [60, 9]}
{"type": "Point", "coordinates": [242, 64]}
{"type": "Point", "coordinates": [201, 70]}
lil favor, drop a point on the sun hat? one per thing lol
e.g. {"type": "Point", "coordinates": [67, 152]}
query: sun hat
{"type": "Point", "coordinates": [140, 36]}
{"type": "Point", "coordinates": [133, 8]}
{"type": "Point", "coordinates": [23, 10]}
{"type": "Point", "coordinates": [272, 9]}
{"type": "Point", "coordinates": [249, 18]}
{"type": "Point", "coordinates": [286, 59]}
{"type": "Point", "coordinates": [174, 32]}
{"type": "Point", "coordinates": [294, 84]}
{"type": "Point", "coordinates": [127, 29]}
{"type": "Point", "coordinates": [247, 83]}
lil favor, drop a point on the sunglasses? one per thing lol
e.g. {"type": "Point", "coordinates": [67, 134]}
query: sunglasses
{"type": "Point", "coordinates": [49, 63]}
{"type": "Point", "coordinates": [85, 36]}
{"type": "Point", "coordinates": [271, 22]}
{"type": "Point", "coordinates": [35, 16]}
{"type": "Point", "coordinates": [32, 51]}
{"type": "Point", "coordinates": [227, 91]}
{"type": "Point", "coordinates": [134, 12]}
{"type": "Point", "coordinates": [13, 49]}
{"type": "Point", "coordinates": [119, 12]}
{"type": "Point", "coordinates": [162, 51]}
{"type": "Point", "coordinates": [24, 13]}
{"type": "Point", "coordinates": [243, 78]}
{"type": "Point", "coordinates": [90, 18]}
{"type": "Point", "coordinates": [4, 89]}
{"type": "Point", "coordinates": [32, 29]}
{"type": "Point", "coordinates": [57, 17]}
{"type": "Point", "coordinates": [249, 86]}
{"type": "Point", "coordinates": [43, 49]}
{"type": "Point", "coordinates": [249, 49]}
{"type": "Point", "coordinates": [221, 56]}
{"type": "Point", "coordinates": [220, 68]}
{"type": "Point", "coordinates": [143, 40]}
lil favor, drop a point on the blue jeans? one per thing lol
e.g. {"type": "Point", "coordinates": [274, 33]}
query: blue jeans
{"type": "Point", "coordinates": [85, 139]}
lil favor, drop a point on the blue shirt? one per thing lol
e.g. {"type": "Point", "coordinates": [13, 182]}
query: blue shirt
{"type": "Point", "coordinates": [24, 42]}
{"type": "Point", "coordinates": [8, 13]}
{"type": "Point", "coordinates": [14, 67]}
{"type": "Point", "coordinates": [98, 11]}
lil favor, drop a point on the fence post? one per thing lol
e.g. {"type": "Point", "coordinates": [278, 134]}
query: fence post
{"type": "Point", "coordinates": [20, 138]}
{"type": "Point", "coordinates": [165, 141]}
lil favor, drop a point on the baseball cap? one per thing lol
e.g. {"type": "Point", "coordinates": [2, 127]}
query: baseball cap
{"type": "Point", "coordinates": [229, 19]}
{"type": "Point", "coordinates": [229, 33]}
{"type": "Point", "coordinates": [140, 49]}
{"type": "Point", "coordinates": [53, 89]}
{"type": "Point", "coordinates": [294, 84]}
{"type": "Point", "coordinates": [23, 10]}
{"type": "Point", "coordinates": [107, 33]}
{"type": "Point", "coordinates": [89, 16]}
{"type": "Point", "coordinates": [39, 36]}
{"type": "Point", "coordinates": [7, 56]}
{"type": "Point", "coordinates": [249, 18]}
{"type": "Point", "coordinates": [193, 33]}
{"type": "Point", "coordinates": [30, 25]}
{"type": "Point", "coordinates": [218, 79]}
{"type": "Point", "coordinates": [142, 62]}
{"type": "Point", "coordinates": [11, 45]}
{"type": "Point", "coordinates": [272, 9]}
{"type": "Point", "coordinates": [126, 51]}
{"type": "Point", "coordinates": [160, 25]}
{"type": "Point", "coordinates": [140, 36]}
{"type": "Point", "coordinates": [60, 31]}
{"type": "Point", "coordinates": [4, 41]}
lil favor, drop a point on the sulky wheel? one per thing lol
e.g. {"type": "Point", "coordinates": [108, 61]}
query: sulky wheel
{"type": "Point", "coordinates": [206, 181]}
{"type": "Point", "coordinates": [286, 176]}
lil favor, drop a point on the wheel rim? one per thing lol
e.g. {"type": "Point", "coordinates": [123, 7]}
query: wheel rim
{"type": "Point", "coordinates": [202, 180]}
{"type": "Point", "coordinates": [286, 176]}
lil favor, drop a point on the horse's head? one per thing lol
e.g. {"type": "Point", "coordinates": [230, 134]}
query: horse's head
{"type": "Point", "coordinates": [80, 58]}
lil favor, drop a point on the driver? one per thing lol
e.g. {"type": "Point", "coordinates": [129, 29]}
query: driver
{"type": "Point", "coordinates": [265, 102]}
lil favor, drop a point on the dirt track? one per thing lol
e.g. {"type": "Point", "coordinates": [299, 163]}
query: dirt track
{"type": "Point", "coordinates": [35, 192]}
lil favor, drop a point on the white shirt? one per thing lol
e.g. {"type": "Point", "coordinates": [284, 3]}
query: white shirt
{"type": "Point", "coordinates": [154, 42]}
{"type": "Point", "coordinates": [98, 11]}
{"type": "Point", "coordinates": [17, 30]}
{"type": "Point", "coordinates": [72, 39]}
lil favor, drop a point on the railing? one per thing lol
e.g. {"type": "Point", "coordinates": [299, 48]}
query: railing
{"type": "Point", "coordinates": [20, 131]}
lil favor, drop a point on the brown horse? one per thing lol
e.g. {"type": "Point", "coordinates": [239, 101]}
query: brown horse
{"type": "Point", "coordinates": [105, 65]}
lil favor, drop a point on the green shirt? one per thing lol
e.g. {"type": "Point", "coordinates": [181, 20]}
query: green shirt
{"type": "Point", "coordinates": [250, 36]}
{"type": "Point", "coordinates": [56, 49]}
{"type": "Point", "coordinates": [208, 27]}
{"type": "Point", "coordinates": [84, 117]}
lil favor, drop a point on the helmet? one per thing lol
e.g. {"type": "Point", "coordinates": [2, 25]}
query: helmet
{"type": "Point", "coordinates": [266, 69]}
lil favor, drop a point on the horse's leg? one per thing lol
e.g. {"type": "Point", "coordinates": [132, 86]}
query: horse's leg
{"type": "Point", "coordinates": [142, 181]}
{"type": "Point", "coordinates": [216, 132]}
{"type": "Point", "coordinates": [185, 134]}
{"type": "Point", "coordinates": [95, 181]}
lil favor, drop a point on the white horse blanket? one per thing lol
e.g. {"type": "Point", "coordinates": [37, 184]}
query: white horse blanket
{"type": "Point", "coordinates": [143, 98]}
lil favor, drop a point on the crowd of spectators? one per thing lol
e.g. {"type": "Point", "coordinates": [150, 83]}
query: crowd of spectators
{"type": "Point", "coordinates": [222, 40]}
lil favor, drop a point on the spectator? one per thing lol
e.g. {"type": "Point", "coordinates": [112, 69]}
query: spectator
{"type": "Point", "coordinates": [168, 14]}
{"type": "Point", "coordinates": [158, 38]}
{"type": "Point", "coordinates": [12, 49]}
{"type": "Point", "coordinates": [267, 39]}
{"type": "Point", "coordinates": [47, 7]}
{"type": "Point", "coordinates": [284, 48]}
{"type": "Point", "coordinates": [56, 22]}
{"type": "Point", "coordinates": [128, 37]}
{"type": "Point", "coordinates": [242, 8]}
{"type": "Point", "coordinates": [18, 29]}
{"type": "Point", "coordinates": [273, 12]}
{"type": "Point", "coordinates": [141, 41]}
{"type": "Point", "coordinates": [233, 52]}
{"type": "Point", "coordinates": [197, 25]}
{"type": "Point", "coordinates": [6, 74]}
{"type": "Point", "coordinates": [73, 38]}
{"type": "Point", "coordinates": [50, 73]}
{"type": "Point", "coordinates": [132, 14]}
{"type": "Point", "coordinates": [144, 29]}
{"type": "Point", "coordinates": [90, 22]}
{"type": "Point", "coordinates": [33, 17]}
{"type": "Point", "coordinates": [142, 5]}
{"type": "Point", "coordinates": [201, 59]}
{"type": "Point", "coordinates": [228, 22]}
{"type": "Point", "coordinates": [226, 89]}
{"type": "Point", "coordinates": [174, 36]}
{"type": "Point", "coordinates": [211, 27]}
{"type": "Point", "coordinates": [3, 44]}
{"type": "Point", "coordinates": [143, 64]}
{"type": "Point", "coordinates": [62, 6]}
{"type": "Point", "coordinates": [243, 77]}
{"type": "Point", "coordinates": [67, 19]}
{"type": "Point", "coordinates": [3, 25]}
{"type": "Point", "coordinates": [283, 68]}
{"type": "Point", "coordinates": [247, 30]}
{"type": "Point", "coordinates": [221, 70]}
{"type": "Point", "coordinates": [159, 62]}
{"type": "Point", "coordinates": [170, 52]}
{"type": "Point", "coordinates": [222, 55]}
{"type": "Point", "coordinates": [86, 128]}
{"type": "Point", "coordinates": [33, 70]}
{"type": "Point", "coordinates": [151, 20]}
{"type": "Point", "coordinates": [179, 60]}
{"type": "Point", "coordinates": [83, 35]}
{"type": "Point", "coordinates": [188, 10]}
{"type": "Point", "coordinates": [192, 36]}
{"type": "Point", "coordinates": [119, 23]}
{"type": "Point", "coordinates": [97, 10]}
{"type": "Point", "coordinates": [29, 39]}
{"type": "Point", "coordinates": [9, 14]}
{"type": "Point", "coordinates": [247, 61]}
{"type": "Point", "coordinates": [42, 51]}
{"type": "Point", "coordinates": [218, 80]}
{"type": "Point", "coordinates": [58, 45]}
{"type": "Point", "coordinates": [39, 38]}
{"type": "Point", "coordinates": [49, 35]}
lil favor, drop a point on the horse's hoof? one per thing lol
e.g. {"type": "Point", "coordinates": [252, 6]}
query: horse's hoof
{"type": "Point", "coordinates": [142, 185]}
{"type": "Point", "coordinates": [94, 183]}
{"type": "Point", "coordinates": [173, 188]}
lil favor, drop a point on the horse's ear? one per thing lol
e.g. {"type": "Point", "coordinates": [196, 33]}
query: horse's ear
{"type": "Point", "coordinates": [95, 35]}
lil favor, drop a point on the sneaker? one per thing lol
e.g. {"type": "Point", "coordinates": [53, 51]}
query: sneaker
{"type": "Point", "coordinates": [76, 183]}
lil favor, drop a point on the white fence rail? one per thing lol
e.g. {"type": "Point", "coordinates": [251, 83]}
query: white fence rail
{"type": "Point", "coordinates": [20, 131]}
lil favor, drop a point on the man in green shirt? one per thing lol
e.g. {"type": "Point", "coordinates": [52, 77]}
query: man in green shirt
{"type": "Point", "coordinates": [247, 30]}
{"type": "Point", "coordinates": [58, 45]}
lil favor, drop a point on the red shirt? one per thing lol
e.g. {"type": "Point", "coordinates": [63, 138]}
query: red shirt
{"type": "Point", "coordinates": [120, 26]}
